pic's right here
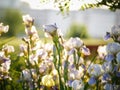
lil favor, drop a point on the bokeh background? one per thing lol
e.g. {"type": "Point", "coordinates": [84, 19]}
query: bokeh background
{"type": "Point", "coordinates": [93, 22]}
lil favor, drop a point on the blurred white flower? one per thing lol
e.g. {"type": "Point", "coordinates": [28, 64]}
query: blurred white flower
{"type": "Point", "coordinates": [115, 30]}
{"type": "Point", "coordinates": [71, 59]}
{"type": "Point", "coordinates": [76, 74]}
{"type": "Point", "coordinates": [81, 61]}
{"type": "Point", "coordinates": [95, 70]}
{"type": "Point", "coordinates": [26, 75]}
{"type": "Point", "coordinates": [74, 43]}
{"type": "Point", "coordinates": [28, 20]}
{"type": "Point", "coordinates": [113, 48]}
{"type": "Point", "coordinates": [69, 52]}
{"type": "Point", "coordinates": [37, 45]}
{"type": "Point", "coordinates": [42, 69]}
{"type": "Point", "coordinates": [49, 63]}
{"type": "Point", "coordinates": [102, 51]}
{"type": "Point", "coordinates": [48, 81]}
{"type": "Point", "coordinates": [23, 50]}
{"type": "Point", "coordinates": [31, 31]}
{"type": "Point", "coordinates": [48, 47]}
{"type": "Point", "coordinates": [50, 29]}
{"type": "Point", "coordinates": [2, 53]}
{"type": "Point", "coordinates": [77, 85]}
{"type": "Point", "coordinates": [71, 75]}
{"type": "Point", "coordinates": [54, 72]}
{"type": "Point", "coordinates": [8, 49]}
{"type": "Point", "coordinates": [6, 66]}
{"type": "Point", "coordinates": [33, 59]}
{"type": "Point", "coordinates": [3, 29]}
{"type": "Point", "coordinates": [41, 53]}
{"type": "Point", "coordinates": [79, 73]}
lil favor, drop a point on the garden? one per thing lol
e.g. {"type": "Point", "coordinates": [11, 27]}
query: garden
{"type": "Point", "coordinates": [58, 64]}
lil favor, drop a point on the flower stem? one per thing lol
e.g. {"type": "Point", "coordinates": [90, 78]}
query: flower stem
{"type": "Point", "coordinates": [28, 49]}
{"type": "Point", "coordinates": [57, 45]}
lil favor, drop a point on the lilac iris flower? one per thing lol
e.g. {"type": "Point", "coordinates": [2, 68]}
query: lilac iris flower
{"type": "Point", "coordinates": [92, 81]}
{"type": "Point", "coordinates": [109, 57]}
{"type": "Point", "coordinates": [106, 77]}
{"type": "Point", "coordinates": [118, 74]}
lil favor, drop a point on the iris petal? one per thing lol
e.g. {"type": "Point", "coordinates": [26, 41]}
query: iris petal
{"type": "Point", "coordinates": [107, 36]}
{"type": "Point", "coordinates": [92, 81]}
{"type": "Point", "coordinates": [109, 57]}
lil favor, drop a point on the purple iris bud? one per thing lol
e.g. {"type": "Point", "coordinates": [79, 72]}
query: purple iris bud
{"type": "Point", "coordinates": [92, 81]}
{"type": "Point", "coordinates": [118, 74]}
{"type": "Point", "coordinates": [107, 36]}
{"type": "Point", "coordinates": [85, 50]}
{"type": "Point", "coordinates": [109, 57]}
{"type": "Point", "coordinates": [106, 76]}
{"type": "Point", "coordinates": [83, 66]}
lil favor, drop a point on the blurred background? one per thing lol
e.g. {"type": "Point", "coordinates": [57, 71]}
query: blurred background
{"type": "Point", "coordinates": [89, 23]}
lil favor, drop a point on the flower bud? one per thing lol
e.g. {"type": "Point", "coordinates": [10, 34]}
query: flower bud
{"type": "Point", "coordinates": [28, 21]}
{"type": "Point", "coordinates": [3, 29]}
{"type": "Point", "coordinates": [50, 29]}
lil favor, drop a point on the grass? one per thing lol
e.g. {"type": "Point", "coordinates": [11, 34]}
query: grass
{"type": "Point", "coordinates": [95, 41]}
{"type": "Point", "coordinates": [17, 41]}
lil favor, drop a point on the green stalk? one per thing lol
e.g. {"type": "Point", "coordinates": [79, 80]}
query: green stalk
{"type": "Point", "coordinates": [55, 59]}
{"type": "Point", "coordinates": [66, 72]}
{"type": "Point", "coordinates": [39, 80]}
{"type": "Point", "coordinates": [23, 81]}
{"type": "Point", "coordinates": [75, 59]}
{"type": "Point", "coordinates": [29, 65]}
{"type": "Point", "coordinates": [97, 84]}
{"type": "Point", "coordinates": [57, 45]}
{"type": "Point", "coordinates": [4, 83]}
{"type": "Point", "coordinates": [1, 85]}
{"type": "Point", "coordinates": [79, 54]}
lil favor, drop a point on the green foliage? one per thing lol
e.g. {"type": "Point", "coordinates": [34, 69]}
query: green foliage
{"type": "Point", "coordinates": [77, 30]}
{"type": "Point", "coordinates": [64, 5]}
{"type": "Point", "coordinates": [111, 4]}
{"type": "Point", "coordinates": [12, 17]}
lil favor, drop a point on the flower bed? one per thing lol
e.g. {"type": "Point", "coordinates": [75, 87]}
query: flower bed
{"type": "Point", "coordinates": [60, 65]}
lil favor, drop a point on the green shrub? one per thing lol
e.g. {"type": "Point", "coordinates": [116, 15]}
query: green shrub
{"type": "Point", "coordinates": [12, 17]}
{"type": "Point", "coordinates": [77, 30]}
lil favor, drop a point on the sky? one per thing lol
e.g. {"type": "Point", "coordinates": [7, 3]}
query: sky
{"type": "Point", "coordinates": [75, 4]}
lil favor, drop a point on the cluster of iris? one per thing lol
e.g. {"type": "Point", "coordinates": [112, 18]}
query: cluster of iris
{"type": "Point", "coordinates": [60, 64]}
